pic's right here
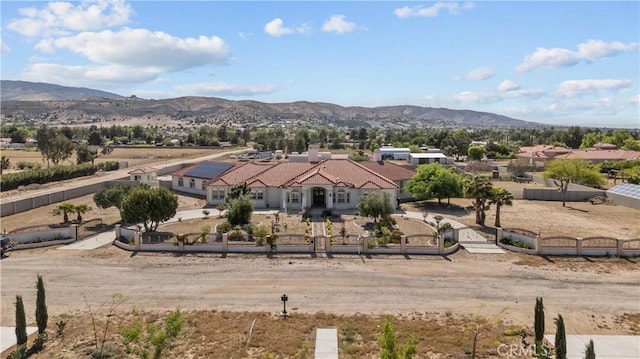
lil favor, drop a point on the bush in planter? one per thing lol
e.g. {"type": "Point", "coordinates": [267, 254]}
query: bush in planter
{"type": "Point", "coordinates": [223, 227]}
{"type": "Point", "coordinates": [236, 235]}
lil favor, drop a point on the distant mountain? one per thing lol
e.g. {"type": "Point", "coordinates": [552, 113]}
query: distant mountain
{"type": "Point", "coordinates": [67, 105]}
{"type": "Point", "coordinates": [39, 91]}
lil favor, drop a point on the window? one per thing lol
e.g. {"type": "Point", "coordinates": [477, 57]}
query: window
{"type": "Point", "coordinates": [137, 178]}
{"type": "Point", "coordinates": [260, 195]}
{"type": "Point", "coordinates": [192, 183]}
{"type": "Point", "coordinates": [295, 197]}
{"type": "Point", "coordinates": [217, 193]}
{"type": "Point", "coordinates": [344, 196]}
{"type": "Point", "coordinates": [180, 182]}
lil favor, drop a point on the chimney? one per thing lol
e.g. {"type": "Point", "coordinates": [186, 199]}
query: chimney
{"type": "Point", "coordinates": [313, 154]}
{"type": "Point", "coordinates": [377, 155]}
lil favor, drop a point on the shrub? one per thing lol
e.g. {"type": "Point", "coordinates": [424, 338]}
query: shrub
{"type": "Point", "coordinates": [236, 235]}
{"type": "Point", "coordinates": [223, 227]}
{"type": "Point", "coordinates": [11, 181]}
{"type": "Point", "coordinates": [28, 165]}
{"type": "Point", "coordinates": [109, 166]}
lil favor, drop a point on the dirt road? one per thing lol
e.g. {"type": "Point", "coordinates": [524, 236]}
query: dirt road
{"type": "Point", "coordinates": [486, 285]}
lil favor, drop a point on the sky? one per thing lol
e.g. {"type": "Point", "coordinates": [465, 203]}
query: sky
{"type": "Point", "coordinates": [560, 63]}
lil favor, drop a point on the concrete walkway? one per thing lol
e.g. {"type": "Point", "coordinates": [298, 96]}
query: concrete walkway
{"type": "Point", "coordinates": [606, 346]}
{"type": "Point", "coordinates": [8, 338]}
{"type": "Point", "coordinates": [326, 343]}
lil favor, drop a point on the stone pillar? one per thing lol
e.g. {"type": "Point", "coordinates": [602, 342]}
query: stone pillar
{"type": "Point", "coordinates": [538, 245]}
{"type": "Point", "coordinates": [303, 200]}
{"type": "Point", "coordinates": [181, 243]}
{"type": "Point", "coordinates": [312, 244]}
{"type": "Point", "coordinates": [118, 231]}
{"type": "Point", "coordinates": [403, 244]}
{"type": "Point", "coordinates": [499, 234]}
{"type": "Point", "coordinates": [283, 201]}
{"type": "Point", "coordinates": [365, 244]}
{"type": "Point", "coordinates": [579, 246]}
{"type": "Point", "coordinates": [136, 240]}
{"type": "Point", "coordinates": [225, 243]}
{"type": "Point", "coordinates": [456, 235]}
{"type": "Point", "coordinates": [440, 240]}
{"type": "Point", "coordinates": [74, 232]}
{"type": "Point", "coordinates": [327, 244]}
{"type": "Point", "coordinates": [620, 247]}
{"type": "Point", "coordinates": [329, 198]}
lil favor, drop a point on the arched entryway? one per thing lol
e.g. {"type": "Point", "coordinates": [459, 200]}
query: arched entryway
{"type": "Point", "coordinates": [318, 197]}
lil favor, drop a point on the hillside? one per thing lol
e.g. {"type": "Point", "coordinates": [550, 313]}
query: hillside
{"type": "Point", "coordinates": [65, 105]}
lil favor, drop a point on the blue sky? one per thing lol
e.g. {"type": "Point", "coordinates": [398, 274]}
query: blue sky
{"type": "Point", "coordinates": [562, 63]}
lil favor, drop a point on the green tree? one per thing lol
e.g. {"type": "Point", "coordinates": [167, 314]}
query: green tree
{"type": "Point", "coordinates": [560, 342]}
{"type": "Point", "coordinates": [21, 322]}
{"type": "Point", "coordinates": [375, 206]}
{"type": "Point", "coordinates": [86, 154]}
{"type": "Point", "coordinates": [476, 153]}
{"type": "Point", "coordinates": [500, 197]}
{"type": "Point", "coordinates": [388, 342]}
{"type": "Point", "coordinates": [4, 163]}
{"type": "Point", "coordinates": [591, 139]}
{"type": "Point", "coordinates": [60, 149]}
{"type": "Point", "coordinates": [480, 189]}
{"type": "Point", "coordinates": [589, 351]}
{"type": "Point", "coordinates": [44, 137]}
{"type": "Point", "coordinates": [239, 211]}
{"type": "Point", "coordinates": [538, 325]}
{"type": "Point", "coordinates": [149, 206]}
{"type": "Point", "coordinates": [64, 209]}
{"type": "Point", "coordinates": [112, 196]}
{"type": "Point", "coordinates": [95, 138]}
{"type": "Point", "coordinates": [239, 190]}
{"type": "Point", "coordinates": [42, 316]}
{"type": "Point", "coordinates": [434, 181]}
{"type": "Point", "coordinates": [564, 172]}
{"type": "Point", "coordinates": [457, 143]}
{"type": "Point", "coordinates": [81, 209]}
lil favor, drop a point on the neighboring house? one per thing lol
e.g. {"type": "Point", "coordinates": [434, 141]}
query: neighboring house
{"type": "Point", "coordinates": [191, 179]}
{"type": "Point", "coordinates": [429, 157]}
{"type": "Point", "coordinates": [393, 153]}
{"type": "Point", "coordinates": [398, 174]}
{"type": "Point", "coordinates": [146, 175]}
{"type": "Point", "coordinates": [540, 155]}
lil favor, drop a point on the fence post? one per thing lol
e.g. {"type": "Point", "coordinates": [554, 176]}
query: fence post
{"type": "Point", "coordinates": [225, 243]}
{"type": "Point", "coordinates": [499, 234]}
{"type": "Point", "coordinates": [118, 231]}
{"type": "Point", "coordinates": [440, 240]}
{"type": "Point", "coordinates": [538, 245]}
{"type": "Point", "coordinates": [74, 232]}
{"type": "Point", "coordinates": [620, 247]}
{"type": "Point", "coordinates": [312, 244]}
{"type": "Point", "coordinates": [136, 240]}
{"type": "Point", "coordinates": [456, 235]}
{"type": "Point", "coordinates": [365, 245]}
{"type": "Point", "coordinates": [403, 244]}
{"type": "Point", "coordinates": [579, 246]}
{"type": "Point", "coordinates": [327, 244]}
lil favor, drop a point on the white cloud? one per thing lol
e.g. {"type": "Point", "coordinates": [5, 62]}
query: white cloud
{"type": "Point", "coordinates": [477, 74]}
{"type": "Point", "coordinates": [90, 76]}
{"type": "Point", "coordinates": [245, 35]}
{"type": "Point", "coordinates": [224, 89]}
{"type": "Point", "coordinates": [432, 11]}
{"type": "Point", "coordinates": [141, 48]}
{"type": "Point", "coordinates": [339, 24]}
{"type": "Point", "coordinates": [573, 88]}
{"type": "Point", "coordinates": [276, 28]}
{"type": "Point", "coordinates": [508, 85]}
{"type": "Point", "coordinates": [476, 97]}
{"type": "Point", "coordinates": [635, 99]}
{"type": "Point", "coordinates": [58, 18]}
{"type": "Point", "coordinates": [4, 49]}
{"type": "Point", "coordinates": [559, 57]}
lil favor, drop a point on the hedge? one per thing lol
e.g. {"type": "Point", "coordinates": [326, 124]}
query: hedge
{"type": "Point", "coordinates": [11, 181]}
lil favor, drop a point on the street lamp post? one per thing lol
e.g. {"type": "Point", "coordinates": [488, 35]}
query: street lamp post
{"type": "Point", "coordinates": [284, 299]}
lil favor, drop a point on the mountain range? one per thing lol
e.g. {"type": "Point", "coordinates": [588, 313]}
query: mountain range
{"type": "Point", "coordinates": [57, 104]}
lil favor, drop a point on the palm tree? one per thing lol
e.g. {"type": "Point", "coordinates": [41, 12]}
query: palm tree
{"type": "Point", "coordinates": [500, 197]}
{"type": "Point", "coordinates": [64, 209]}
{"type": "Point", "coordinates": [81, 209]}
{"type": "Point", "coordinates": [480, 189]}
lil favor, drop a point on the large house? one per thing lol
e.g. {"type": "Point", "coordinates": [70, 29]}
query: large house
{"type": "Point", "coordinates": [295, 186]}
{"type": "Point", "coordinates": [600, 152]}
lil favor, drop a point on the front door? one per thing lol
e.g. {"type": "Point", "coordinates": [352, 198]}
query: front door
{"type": "Point", "coordinates": [318, 197]}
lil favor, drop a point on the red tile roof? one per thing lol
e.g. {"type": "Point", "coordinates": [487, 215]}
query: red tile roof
{"type": "Point", "coordinates": [389, 170]}
{"type": "Point", "coordinates": [143, 170]}
{"type": "Point", "coordinates": [241, 172]}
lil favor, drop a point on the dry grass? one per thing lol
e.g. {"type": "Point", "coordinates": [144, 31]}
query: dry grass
{"type": "Point", "coordinates": [221, 334]}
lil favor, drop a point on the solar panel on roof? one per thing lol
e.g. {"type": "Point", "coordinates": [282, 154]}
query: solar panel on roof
{"type": "Point", "coordinates": [626, 189]}
{"type": "Point", "coordinates": [209, 170]}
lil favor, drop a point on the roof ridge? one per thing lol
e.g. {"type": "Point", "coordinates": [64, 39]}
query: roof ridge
{"type": "Point", "coordinates": [373, 172]}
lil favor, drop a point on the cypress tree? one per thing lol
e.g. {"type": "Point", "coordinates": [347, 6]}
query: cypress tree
{"type": "Point", "coordinates": [41, 307]}
{"type": "Point", "coordinates": [21, 322]}
{"type": "Point", "coordinates": [561, 339]}
{"type": "Point", "coordinates": [590, 352]}
{"type": "Point", "coordinates": [539, 324]}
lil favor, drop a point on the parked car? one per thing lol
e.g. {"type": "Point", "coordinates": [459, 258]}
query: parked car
{"type": "Point", "coordinates": [4, 245]}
